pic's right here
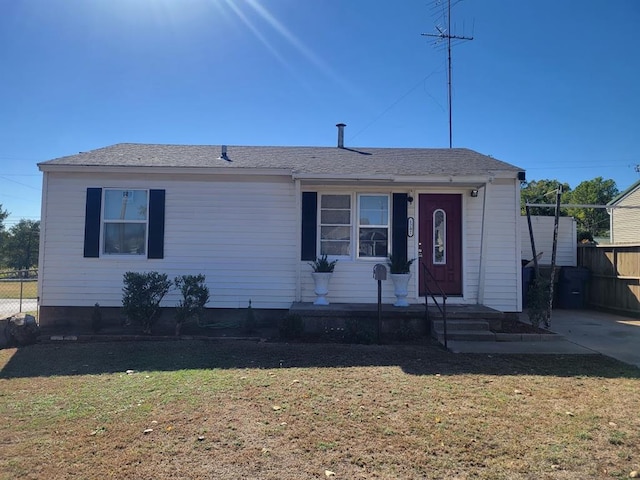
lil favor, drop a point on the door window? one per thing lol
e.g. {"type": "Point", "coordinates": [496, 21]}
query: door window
{"type": "Point", "coordinates": [439, 237]}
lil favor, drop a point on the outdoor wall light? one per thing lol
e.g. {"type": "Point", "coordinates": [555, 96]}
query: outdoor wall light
{"type": "Point", "coordinates": [474, 192]}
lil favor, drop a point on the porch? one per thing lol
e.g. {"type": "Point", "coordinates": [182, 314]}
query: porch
{"type": "Point", "coordinates": [464, 322]}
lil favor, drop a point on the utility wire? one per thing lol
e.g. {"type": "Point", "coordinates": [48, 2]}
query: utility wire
{"type": "Point", "coordinates": [396, 102]}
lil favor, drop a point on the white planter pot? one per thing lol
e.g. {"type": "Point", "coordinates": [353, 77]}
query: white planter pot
{"type": "Point", "coordinates": [321, 281]}
{"type": "Point", "coordinates": [401, 288]}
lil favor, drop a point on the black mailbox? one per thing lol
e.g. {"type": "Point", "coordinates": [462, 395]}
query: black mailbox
{"type": "Point", "coordinates": [379, 272]}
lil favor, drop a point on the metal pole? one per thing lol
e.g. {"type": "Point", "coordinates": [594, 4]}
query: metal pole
{"type": "Point", "coordinates": [553, 254]}
{"type": "Point", "coordinates": [379, 310]}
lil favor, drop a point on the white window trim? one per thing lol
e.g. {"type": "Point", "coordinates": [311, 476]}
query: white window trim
{"type": "Point", "coordinates": [320, 225]}
{"type": "Point", "coordinates": [355, 224]}
{"type": "Point", "coordinates": [104, 221]}
{"type": "Point", "coordinates": [387, 226]}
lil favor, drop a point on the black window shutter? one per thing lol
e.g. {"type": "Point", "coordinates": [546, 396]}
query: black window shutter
{"type": "Point", "coordinates": [309, 225]}
{"type": "Point", "coordinates": [93, 210]}
{"type": "Point", "coordinates": [155, 243]}
{"type": "Point", "coordinates": [399, 226]}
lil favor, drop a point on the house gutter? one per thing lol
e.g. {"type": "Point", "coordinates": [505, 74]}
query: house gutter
{"type": "Point", "coordinates": [165, 170]}
{"type": "Point", "coordinates": [462, 180]}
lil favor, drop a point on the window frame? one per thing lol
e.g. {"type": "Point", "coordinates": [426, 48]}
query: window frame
{"type": "Point", "coordinates": [434, 260]}
{"type": "Point", "coordinates": [358, 225]}
{"type": "Point", "coordinates": [104, 221]}
{"type": "Point", "coordinates": [320, 224]}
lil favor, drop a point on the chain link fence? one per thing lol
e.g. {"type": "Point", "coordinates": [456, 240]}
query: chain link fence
{"type": "Point", "coordinates": [18, 292]}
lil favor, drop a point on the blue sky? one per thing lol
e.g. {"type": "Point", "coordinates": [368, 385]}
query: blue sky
{"type": "Point", "coordinates": [548, 85]}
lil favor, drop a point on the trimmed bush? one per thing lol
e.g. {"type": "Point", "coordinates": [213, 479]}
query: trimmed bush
{"type": "Point", "coordinates": [195, 295]}
{"type": "Point", "coordinates": [141, 297]}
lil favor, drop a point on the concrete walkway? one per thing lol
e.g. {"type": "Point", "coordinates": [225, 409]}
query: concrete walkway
{"type": "Point", "coordinates": [586, 332]}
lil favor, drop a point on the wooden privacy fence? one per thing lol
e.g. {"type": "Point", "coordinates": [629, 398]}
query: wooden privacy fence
{"type": "Point", "coordinates": [615, 277]}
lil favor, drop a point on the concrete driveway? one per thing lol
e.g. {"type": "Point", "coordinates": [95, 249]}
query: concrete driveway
{"type": "Point", "coordinates": [9, 306]}
{"type": "Point", "coordinates": [584, 332]}
{"type": "Point", "coordinates": [612, 335]}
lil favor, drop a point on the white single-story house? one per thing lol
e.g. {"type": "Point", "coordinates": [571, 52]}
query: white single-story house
{"type": "Point", "coordinates": [624, 216]}
{"type": "Point", "coordinates": [252, 219]}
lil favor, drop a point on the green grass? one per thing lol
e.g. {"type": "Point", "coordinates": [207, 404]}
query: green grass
{"type": "Point", "coordinates": [11, 289]}
{"type": "Point", "coordinates": [278, 411]}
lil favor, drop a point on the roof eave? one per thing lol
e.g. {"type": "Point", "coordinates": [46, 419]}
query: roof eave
{"type": "Point", "coordinates": [224, 170]}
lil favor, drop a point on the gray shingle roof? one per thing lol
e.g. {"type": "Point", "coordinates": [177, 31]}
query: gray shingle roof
{"type": "Point", "coordinates": [299, 160]}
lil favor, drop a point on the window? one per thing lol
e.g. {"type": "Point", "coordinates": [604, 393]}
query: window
{"type": "Point", "coordinates": [335, 225]}
{"type": "Point", "coordinates": [439, 237]}
{"type": "Point", "coordinates": [373, 226]}
{"type": "Point", "coordinates": [125, 222]}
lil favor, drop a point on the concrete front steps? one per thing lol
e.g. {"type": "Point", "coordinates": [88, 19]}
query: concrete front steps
{"type": "Point", "coordinates": [464, 330]}
{"type": "Point", "coordinates": [479, 330]}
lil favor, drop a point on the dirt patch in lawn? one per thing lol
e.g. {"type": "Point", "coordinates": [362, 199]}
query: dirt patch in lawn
{"type": "Point", "coordinates": [229, 410]}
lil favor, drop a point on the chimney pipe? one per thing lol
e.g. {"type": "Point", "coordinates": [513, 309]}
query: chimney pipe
{"type": "Point", "coordinates": [223, 153]}
{"type": "Point", "coordinates": [340, 134]}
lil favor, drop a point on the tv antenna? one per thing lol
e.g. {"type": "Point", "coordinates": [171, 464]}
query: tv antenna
{"type": "Point", "coordinates": [445, 34]}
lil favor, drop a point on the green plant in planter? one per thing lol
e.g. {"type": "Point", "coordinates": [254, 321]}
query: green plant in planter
{"type": "Point", "coordinates": [399, 264]}
{"type": "Point", "coordinates": [141, 297]}
{"type": "Point", "coordinates": [195, 294]}
{"type": "Point", "coordinates": [322, 265]}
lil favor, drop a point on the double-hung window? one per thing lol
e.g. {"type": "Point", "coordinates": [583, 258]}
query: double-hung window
{"type": "Point", "coordinates": [373, 225]}
{"type": "Point", "coordinates": [335, 225]}
{"type": "Point", "coordinates": [125, 218]}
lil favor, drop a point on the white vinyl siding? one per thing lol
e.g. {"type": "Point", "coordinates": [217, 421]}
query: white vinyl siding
{"type": "Point", "coordinates": [625, 222]}
{"type": "Point", "coordinates": [243, 233]}
{"type": "Point", "coordinates": [501, 268]}
{"type": "Point", "coordinates": [240, 232]}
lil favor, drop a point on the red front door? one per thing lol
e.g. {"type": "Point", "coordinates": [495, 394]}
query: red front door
{"type": "Point", "coordinates": [440, 242]}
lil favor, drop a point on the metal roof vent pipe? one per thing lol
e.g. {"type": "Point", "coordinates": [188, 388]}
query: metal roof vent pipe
{"type": "Point", "coordinates": [223, 154]}
{"type": "Point", "coordinates": [340, 134]}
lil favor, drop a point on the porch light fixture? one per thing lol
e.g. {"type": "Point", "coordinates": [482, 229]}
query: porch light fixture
{"type": "Point", "coordinates": [474, 192]}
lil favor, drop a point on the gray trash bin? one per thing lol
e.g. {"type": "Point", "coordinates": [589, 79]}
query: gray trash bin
{"type": "Point", "coordinates": [572, 287]}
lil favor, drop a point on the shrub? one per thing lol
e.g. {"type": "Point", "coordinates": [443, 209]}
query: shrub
{"type": "Point", "coordinates": [291, 326]}
{"type": "Point", "coordinates": [195, 295]}
{"type": "Point", "coordinates": [538, 298]}
{"type": "Point", "coordinates": [141, 297]}
{"type": "Point", "coordinates": [96, 318]}
{"type": "Point", "coordinates": [249, 323]}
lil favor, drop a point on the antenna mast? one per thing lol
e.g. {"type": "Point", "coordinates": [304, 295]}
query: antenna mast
{"type": "Point", "coordinates": [446, 35]}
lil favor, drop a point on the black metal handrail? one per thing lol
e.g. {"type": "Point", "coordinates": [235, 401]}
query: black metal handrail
{"type": "Point", "coordinates": [429, 293]}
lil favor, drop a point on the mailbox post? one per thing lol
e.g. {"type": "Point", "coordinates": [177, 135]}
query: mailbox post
{"type": "Point", "coordinates": [379, 274]}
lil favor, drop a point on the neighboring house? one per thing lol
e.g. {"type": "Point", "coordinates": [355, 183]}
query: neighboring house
{"type": "Point", "coordinates": [252, 218]}
{"type": "Point", "coordinates": [624, 216]}
{"type": "Point", "coordinates": [566, 248]}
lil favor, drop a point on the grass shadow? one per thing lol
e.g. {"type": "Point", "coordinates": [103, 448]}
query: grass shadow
{"type": "Point", "coordinates": [46, 360]}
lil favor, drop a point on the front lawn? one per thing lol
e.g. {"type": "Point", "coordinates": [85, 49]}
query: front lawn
{"type": "Point", "coordinates": [199, 410]}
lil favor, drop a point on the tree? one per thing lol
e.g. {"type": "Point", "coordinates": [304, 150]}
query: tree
{"type": "Point", "coordinates": [3, 216]}
{"type": "Point", "coordinates": [21, 243]}
{"type": "Point", "coordinates": [541, 191]}
{"type": "Point", "coordinates": [598, 191]}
